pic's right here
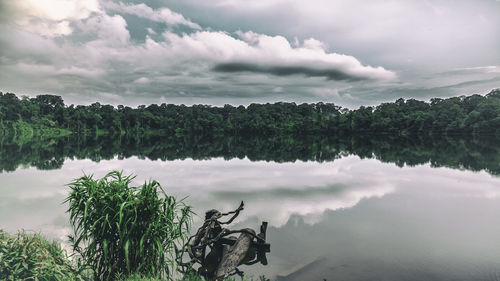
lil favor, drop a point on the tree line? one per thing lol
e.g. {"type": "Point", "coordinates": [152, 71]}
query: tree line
{"type": "Point", "coordinates": [47, 115]}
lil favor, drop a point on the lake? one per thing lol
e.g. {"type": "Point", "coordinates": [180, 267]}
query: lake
{"type": "Point", "coordinates": [353, 209]}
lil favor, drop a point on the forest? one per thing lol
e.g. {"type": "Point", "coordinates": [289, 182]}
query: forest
{"type": "Point", "coordinates": [47, 116]}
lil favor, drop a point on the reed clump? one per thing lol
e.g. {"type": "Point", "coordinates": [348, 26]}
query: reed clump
{"type": "Point", "coordinates": [123, 230]}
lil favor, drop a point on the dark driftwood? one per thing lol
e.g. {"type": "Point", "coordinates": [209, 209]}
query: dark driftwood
{"type": "Point", "coordinates": [234, 255]}
{"type": "Point", "coordinates": [218, 254]}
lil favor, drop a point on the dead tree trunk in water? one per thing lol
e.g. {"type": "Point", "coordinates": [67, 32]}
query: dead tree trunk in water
{"type": "Point", "coordinates": [225, 253]}
{"type": "Point", "coordinates": [235, 254]}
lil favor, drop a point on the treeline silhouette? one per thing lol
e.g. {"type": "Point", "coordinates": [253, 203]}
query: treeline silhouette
{"type": "Point", "coordinates": [471, 153]}
{"type": "Point", "coordinates": [25, 117]}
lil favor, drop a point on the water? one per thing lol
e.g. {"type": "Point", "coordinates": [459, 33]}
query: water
{"type": "Point", "coordinates": [353, 216]}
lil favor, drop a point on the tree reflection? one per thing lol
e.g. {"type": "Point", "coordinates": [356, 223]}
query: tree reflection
{"type": "Point", "coordinates": [469, 153]}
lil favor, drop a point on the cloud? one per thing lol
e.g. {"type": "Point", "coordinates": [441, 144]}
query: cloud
{"type": "Point", "coordinates": [271, 191]}
{"type": "Point", "coordinates": [142, 80]}
{"type": "Point", "coordinates": [142, 10]}
{"type": "Point", "coordinates": [111, 30]}
{"type": "Point", "coordinates": [274, 55]}
{"type": "Point", "coordinates": [79, 49]}
{"type": "Point", "coordinates": [199, 66]}
{"type": "Point", "coordinates": [331, 74]}
{"type": "Point", "coordinates": [476, 69]}
{"type": "Point", "coordinates": [400, 35]}
{"type": "Point", "coordinates": [309, 203]}
{"type": "Point", "coordinates": [50, 18]}
{"type": "Point", "coordinates": [275, 192]}
{"type": "Point", "coordinates": [100, 58]}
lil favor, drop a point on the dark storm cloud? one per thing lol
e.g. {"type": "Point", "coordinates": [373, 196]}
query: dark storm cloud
{"type": "Point", "coordinates": [330, 74]}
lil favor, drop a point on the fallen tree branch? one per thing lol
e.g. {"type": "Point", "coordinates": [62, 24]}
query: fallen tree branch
{"type": "Point", "coordinates": [218, 255]}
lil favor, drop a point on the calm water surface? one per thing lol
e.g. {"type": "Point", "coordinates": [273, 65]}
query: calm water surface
{"type": "Point", "coordinates": [358, 219]}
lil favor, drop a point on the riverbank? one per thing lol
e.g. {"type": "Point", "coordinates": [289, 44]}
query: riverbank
{"type": "Point", "coordinates": [31, 256]}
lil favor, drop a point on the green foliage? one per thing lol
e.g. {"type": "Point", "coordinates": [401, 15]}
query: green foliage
{"type": "Point", "coordinates": [31, 257]}
{"type": "Point", "coordinates": [474, 114]}
{"type": "Point", "coordinates": [122, 230]}
{"type": "Point", "coordinates": [36, 131]}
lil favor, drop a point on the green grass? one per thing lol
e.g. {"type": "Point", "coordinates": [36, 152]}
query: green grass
{"type": "Point", "coordinates": [121, 230]}
{"type": "Point", "coordinates": [31, 257]}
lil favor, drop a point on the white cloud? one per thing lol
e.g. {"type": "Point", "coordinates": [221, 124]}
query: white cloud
{"type": "Point", "coordinates": [486, 69]}
{"type": "Point", "coordinates": [347, 41]}
{"type": "Point", "coordinates": [272, 191]}
{"type": "Point", "coordinates": [110, 96]}
{"type": "Point", "coordinates": [58, 10]}
{"type": "Point", "coordinates": [314, 44]}
{"type": "Point", "coordinates": [272, 54]}
{"type": "Point", "coordinates": [100, 57]}
{"type": "Point", "coordinates": [142, 80]}
{"type": "Point", "coordinates": [144, 11]}
{"type": "Point", "coordinates": [51, 17]}
{"type": "Point", "coordinates": [47, 28]}
{"type": "Point", "coordinates": [111, 30]}
{"type": "Point", "coordinates": [437, 35]}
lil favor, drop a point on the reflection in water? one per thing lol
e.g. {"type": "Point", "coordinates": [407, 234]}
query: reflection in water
{"type": "Point", "coordinates": [272, 191]}
{"type": "Point", "coordinates": [469, 153]}
{"type": "Point", "coordinates": [363, 219]}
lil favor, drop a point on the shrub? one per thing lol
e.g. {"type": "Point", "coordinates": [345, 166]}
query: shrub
{"type": "Point", "coordinates": [120, 230]}
{"type": "Point", "coordinates": [31, 257]}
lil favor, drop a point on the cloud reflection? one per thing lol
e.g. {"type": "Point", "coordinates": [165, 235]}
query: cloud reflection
{"type": "Point", "coordinates": [271, 191]}
{"type": "Point", "coordinates": [274, 192]}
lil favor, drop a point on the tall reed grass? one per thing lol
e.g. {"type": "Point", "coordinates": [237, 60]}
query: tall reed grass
{"type": "Point", "coordinates": [122, 230]}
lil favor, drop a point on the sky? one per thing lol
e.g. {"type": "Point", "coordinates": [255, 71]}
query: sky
{"type": "Point", "coordinates": [351, 53]}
